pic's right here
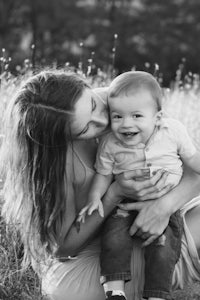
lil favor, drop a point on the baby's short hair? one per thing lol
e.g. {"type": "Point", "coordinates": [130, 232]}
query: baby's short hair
{"type": "Point", "coordinates": [133, 81]}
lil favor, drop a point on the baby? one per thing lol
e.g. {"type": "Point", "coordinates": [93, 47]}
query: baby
{"type": "Point", "coordinates": [140, 137]}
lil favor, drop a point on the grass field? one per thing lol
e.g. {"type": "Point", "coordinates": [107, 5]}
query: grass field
{"type": "Point", "coordinates": [181, 101]}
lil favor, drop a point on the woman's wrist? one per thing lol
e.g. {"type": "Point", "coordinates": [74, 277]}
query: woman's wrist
{"type": "Point", "coordinates": [167, 205]}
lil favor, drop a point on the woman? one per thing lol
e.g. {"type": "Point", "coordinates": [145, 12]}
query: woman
{"type": "Point", "coordinates": [48, 155]}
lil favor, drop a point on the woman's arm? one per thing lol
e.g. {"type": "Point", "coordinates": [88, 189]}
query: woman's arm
{"type": "Point", "coordinates": [153, 216]}
{"type": "Point", "coordinates": [74, 240]}
{"type": "Point", "coordinates": [99, 186]}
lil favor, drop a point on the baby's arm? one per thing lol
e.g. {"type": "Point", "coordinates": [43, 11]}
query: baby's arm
{"type": "Point", "coordinates": [102, 179]}
{"type": "Point", "coordinates": [193, 162]}
{"type": "Point", "coordinates": [100, 184]}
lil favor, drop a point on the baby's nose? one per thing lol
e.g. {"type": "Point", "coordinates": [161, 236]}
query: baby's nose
{"type": "Point", "coordinates": [128, 122]}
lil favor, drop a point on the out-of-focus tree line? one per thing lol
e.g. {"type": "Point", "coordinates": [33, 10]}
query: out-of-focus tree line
{"type": "Point", "coordinates": [149, 31]}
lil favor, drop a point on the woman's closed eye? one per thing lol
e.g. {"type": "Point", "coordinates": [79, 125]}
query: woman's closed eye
{"type": "Point", "coordinates": [83, 131]}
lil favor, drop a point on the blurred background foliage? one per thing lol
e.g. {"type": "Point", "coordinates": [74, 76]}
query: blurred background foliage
{"type": "Point", "coordinates": [71, 31]}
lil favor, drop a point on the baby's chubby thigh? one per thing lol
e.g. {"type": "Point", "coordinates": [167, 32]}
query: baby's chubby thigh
{"type": "Point", "coordinates": [77, 279]}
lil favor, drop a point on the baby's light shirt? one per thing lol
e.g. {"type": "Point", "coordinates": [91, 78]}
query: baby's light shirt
{"type": "Point", "coordinates": [167, 146]}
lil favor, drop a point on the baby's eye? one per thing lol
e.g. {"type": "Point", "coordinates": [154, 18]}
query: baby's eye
{"type": "Point", "coordinates": [116, 117]}
{"type": "Point", "coordinates": [136, 116]}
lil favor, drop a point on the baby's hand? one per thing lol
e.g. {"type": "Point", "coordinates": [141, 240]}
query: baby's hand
{"type": "Point", "coordinates": [89, 209]}
{"type": "Point", "coordinates": [96, 205]}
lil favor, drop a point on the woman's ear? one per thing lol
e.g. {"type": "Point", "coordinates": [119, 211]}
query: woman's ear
{"type": "Point", "coordinates": [159, 116]}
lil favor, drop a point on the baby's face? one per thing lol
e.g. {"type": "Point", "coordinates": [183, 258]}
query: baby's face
{"type": "Point", "coordinates": [133, 117]}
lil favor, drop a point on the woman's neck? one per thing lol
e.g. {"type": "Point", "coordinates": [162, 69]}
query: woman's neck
{"type": "Point", "coordinates": [86, 150]}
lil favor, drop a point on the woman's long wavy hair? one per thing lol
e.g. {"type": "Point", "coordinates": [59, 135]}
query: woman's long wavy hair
{"type": "Point", "coordinates": [34, 151]}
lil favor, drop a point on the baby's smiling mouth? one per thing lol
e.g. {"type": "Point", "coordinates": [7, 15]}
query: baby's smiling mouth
{"type": "Point", "coordinates": [129, 134]}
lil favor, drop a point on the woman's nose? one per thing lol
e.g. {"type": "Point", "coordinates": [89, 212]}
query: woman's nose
{"type": "Point", "coordinates": [100, 119]}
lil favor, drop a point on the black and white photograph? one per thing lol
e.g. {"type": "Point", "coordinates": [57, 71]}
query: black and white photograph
{"type": "Point", "coordinates": [99, 127]}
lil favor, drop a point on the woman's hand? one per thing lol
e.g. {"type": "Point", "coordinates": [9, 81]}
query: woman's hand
{"type": "Point", "coordinates": [152, 219]}
{"type": "Point", "coordinates": [138, 185]}
{"type": "Point", "coordinates": [153, 215]}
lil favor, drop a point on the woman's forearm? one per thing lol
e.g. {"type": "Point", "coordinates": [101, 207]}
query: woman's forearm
{"type": "Point", "coordinates": [188, 188]}
{"type": "Point", "coordinates": [77, 238]}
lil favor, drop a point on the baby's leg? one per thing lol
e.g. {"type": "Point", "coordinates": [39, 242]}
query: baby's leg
{"type": "Point", "coordinates": [160, 261]}
{"type": "Point", "coordinates": [116, 249]}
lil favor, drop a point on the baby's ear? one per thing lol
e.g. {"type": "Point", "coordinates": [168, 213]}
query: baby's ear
{"type": "Point", "coordinates": [159, 116]}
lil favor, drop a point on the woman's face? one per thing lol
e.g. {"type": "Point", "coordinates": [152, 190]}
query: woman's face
{"type": "Point", "coordinates": [90, 117]}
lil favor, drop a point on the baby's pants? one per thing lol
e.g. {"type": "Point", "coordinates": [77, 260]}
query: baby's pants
{"type": "Point", "coordinates": [160, 260]}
